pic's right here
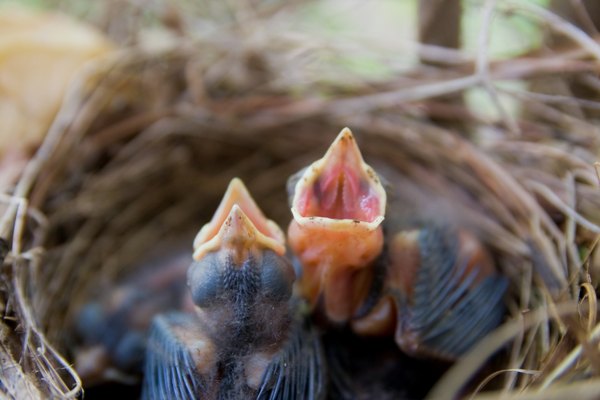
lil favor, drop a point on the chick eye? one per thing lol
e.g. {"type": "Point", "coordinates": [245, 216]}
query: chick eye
{"type": "Point", "coordinates": [277, 277]}
{"type": "Point", "coordinates": [204, 281]}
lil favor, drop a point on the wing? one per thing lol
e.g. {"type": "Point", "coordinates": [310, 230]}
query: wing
{"type": "Point", "coordinates": [299, 370]}
{"type": "Point", "coordinates": [453, 305]}
{"type": "Point", "coordinates": [180, 361]}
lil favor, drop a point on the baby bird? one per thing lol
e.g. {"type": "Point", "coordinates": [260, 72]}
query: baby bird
{"type": "Point", "coordinates": [434, 288]}
{"type": "Point", "coordinates": [338, 205]}
{"type": "Point", "coordinates": [246, 338]}
{"type": "Point", "coordinates": [441, 292]}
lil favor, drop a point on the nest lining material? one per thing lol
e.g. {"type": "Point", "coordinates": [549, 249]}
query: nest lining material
{"type": "Point", "coordinates": [142, 150]}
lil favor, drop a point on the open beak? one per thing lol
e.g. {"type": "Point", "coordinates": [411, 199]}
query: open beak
{"type": "Point", "coordinates": [238, 224]}
{"type": "Point", "coordinates": [338, 205]}
{"type": "Point", "coordinates": [340, 190]}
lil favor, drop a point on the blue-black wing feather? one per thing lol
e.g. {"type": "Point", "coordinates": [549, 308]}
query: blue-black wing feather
{"type": "Point", "coordinates": [170, 371]}
{"type": "Point", "coordinates": [298, 371]}
{"type": "Point", "coordinates": [448, 312]}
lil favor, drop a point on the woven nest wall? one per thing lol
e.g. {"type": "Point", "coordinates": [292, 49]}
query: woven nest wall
{"type": "Point", "coordinates": [146, 142]}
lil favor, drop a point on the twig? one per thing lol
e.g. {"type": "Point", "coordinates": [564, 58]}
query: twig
{"type": "Point", "coordinates": [390, 99]}
{"type": "Point", "coordinates": [451, 383]}
{"type": "Point", "coordinates": [558, 203]}
{"type": "Point", "coordinates": [558, 24]}
{"type": "Point", "coordinates": [584, 390]}
{"type": "Point", "coordinates": [568, 361]}
{"type": "Point", "coordinates": [489, 378]}
{"type": "Point", "coordinates": [552, 98]}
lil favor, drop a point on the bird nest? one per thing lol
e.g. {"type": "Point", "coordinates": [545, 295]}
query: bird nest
{"type": "Point", "coordinates": [145, 144]}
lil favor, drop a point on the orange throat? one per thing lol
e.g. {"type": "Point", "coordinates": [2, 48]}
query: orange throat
{"type": "Point", "coordinates": [336, 265]}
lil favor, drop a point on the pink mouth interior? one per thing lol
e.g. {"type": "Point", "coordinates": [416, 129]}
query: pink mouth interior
{"type": "Point", "coordinates": [340, 192]}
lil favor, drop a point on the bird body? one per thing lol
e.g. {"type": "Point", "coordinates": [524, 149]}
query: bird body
{"type": "Point", "coordinates": [247, 337]}
{"type": "Point", "coordinates": [441, 293]}
{"type": "Point", "coordinates": [338, 205]}
{"type": "Point", "coordinates": [423, 284]}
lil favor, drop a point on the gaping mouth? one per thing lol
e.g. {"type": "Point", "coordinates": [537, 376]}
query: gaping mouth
{"type": "Point", "coordinates": [340, 187]}
{"type": "Point", "coordinates": [238, 222]}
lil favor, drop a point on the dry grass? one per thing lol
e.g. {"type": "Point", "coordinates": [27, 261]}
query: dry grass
{"type": "Point", "coordinates": [146, 142]}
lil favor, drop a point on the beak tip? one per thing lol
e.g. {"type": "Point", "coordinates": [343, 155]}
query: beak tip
{"type": "Point", "coordinates": [237, 222]}
{"type": "Point", "coordinates": [344, 147]}
{"type": "Point", "coordinates": [236, 211]}
{"type": "Point", "coordinates": [236, 184]}
{"type": "Point", "coordinates": [346, 133]}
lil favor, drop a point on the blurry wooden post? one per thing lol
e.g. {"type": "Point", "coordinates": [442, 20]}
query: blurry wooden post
{"type": "Point", "coordinates": [439, 25]}
{"type": "Point", "coordinates": [584, 14]}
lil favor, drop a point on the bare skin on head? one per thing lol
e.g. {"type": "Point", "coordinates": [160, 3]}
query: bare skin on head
{"type": "Point", "coordinates": [338, 205]}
